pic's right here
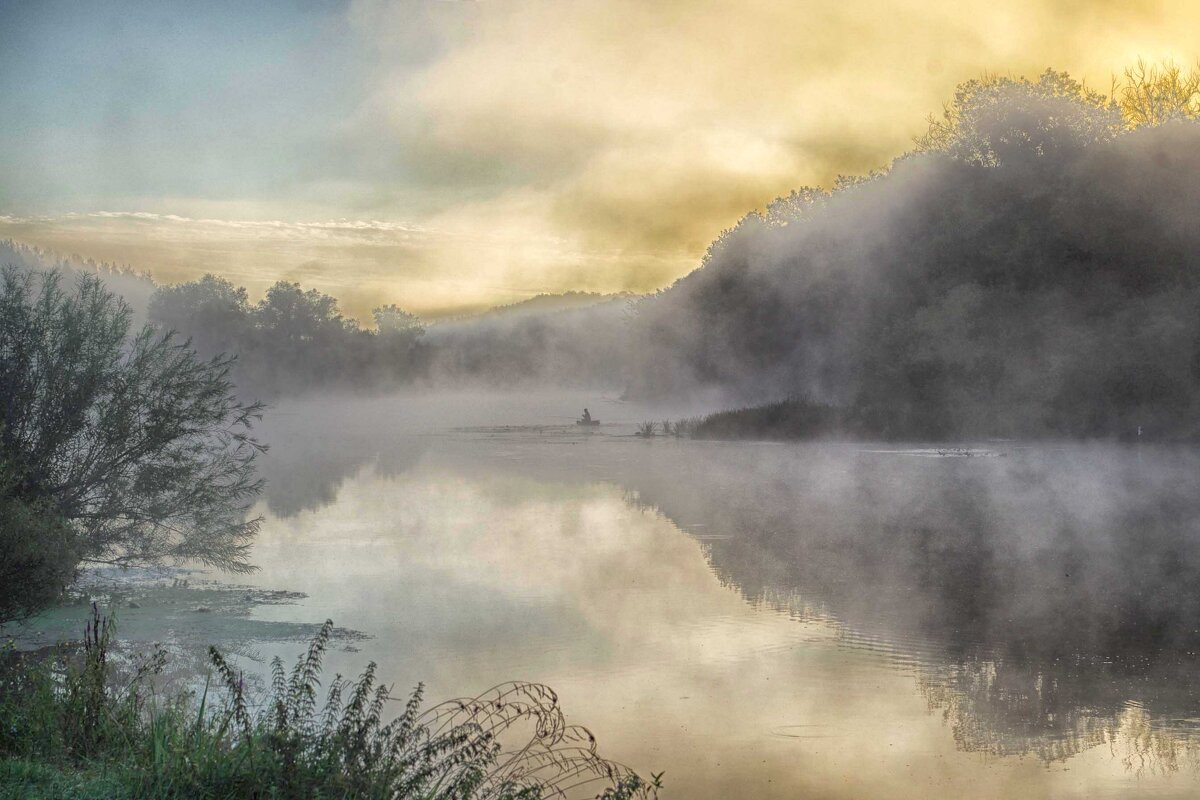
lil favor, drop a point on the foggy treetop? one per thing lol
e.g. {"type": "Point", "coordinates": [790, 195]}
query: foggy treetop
{"type": "Point", "coordinates": [1030, 269]}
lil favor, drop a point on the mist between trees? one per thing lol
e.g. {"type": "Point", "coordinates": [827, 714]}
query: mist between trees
{"type": "Point", "coordinates": [1028, 269]}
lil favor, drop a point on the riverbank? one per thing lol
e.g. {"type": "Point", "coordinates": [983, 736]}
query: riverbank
{"type": "Point", "coordinates": [79, 722]}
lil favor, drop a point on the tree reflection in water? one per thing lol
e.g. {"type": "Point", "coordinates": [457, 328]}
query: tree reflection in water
{"type": "Point", "coordinates": [1046, 601]}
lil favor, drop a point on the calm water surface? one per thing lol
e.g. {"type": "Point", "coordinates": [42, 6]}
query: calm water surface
{"type": "Point", "coordinates": [762, 620]}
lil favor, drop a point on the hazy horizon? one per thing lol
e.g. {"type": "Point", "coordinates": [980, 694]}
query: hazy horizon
{"type": "Point", "coordinates": [452, 156]}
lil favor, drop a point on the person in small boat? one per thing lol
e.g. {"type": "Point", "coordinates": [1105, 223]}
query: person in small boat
{"type": "Point", "coordinates": [587, 416]}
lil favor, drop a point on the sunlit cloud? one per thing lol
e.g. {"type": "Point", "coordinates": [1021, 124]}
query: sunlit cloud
{"type": "Point", "coordinates": [365, 263]}
{"type": "Point", "coordinates": [486, 151]}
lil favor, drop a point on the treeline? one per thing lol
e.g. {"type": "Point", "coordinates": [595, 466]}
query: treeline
{"type": "Point", "coordinates": [293, 340]}
{"type": "Point", "coordinates": [793, 418]}
{"type": "Point", "coordinates": [132, 286]}
{"type": "Point", "coordinates": [1032, 268]}
{"type": "Point", "coordinates": [296, 340]}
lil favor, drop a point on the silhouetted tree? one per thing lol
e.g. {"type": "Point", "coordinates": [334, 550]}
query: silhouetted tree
{"type": "Point", "coordinates": [134, 441]}
{"type": "Point", "coordinates": [211, 311]}
{"type": "Point", "coordinates": [293, 340]}
{"type": "Point", "coordinates": [395, 321]}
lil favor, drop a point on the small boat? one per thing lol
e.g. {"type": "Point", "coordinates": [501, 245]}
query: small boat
{"type": "Point", "coordinates": [588, 422]}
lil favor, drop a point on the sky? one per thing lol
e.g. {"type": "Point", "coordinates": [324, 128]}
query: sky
{"type": "Point", "coordinates": [449, 155]}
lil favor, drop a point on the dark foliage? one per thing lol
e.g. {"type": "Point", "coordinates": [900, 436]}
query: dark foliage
{"type": "Point", "coordinates": [72, 722]}
{"type": "Point", "coordinates": [293, 340]}
{"type": "Point", "coordinates": [794, 418]}
{"type": "Point", "coordinates": [1031, 271]}
{"type": "Point", "coordinates": [39, 551]}
{"type": "Point", "coordinates": [132, 441]}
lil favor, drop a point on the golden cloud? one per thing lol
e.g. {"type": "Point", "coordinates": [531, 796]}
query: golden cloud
{"type": "Point", "coordinates": [547, 145]}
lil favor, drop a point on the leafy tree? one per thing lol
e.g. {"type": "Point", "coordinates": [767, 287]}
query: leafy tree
{"type": "Point", "coordinates": [133, 440]}
{"type": "Point", "coordinates": [294, 339]}
{"type": "Point", "coordinates": [38, 551]}
{"type": "Point", "coordinates": [302, 340]}
{"type": "Point", "coordinates": [213, 312]}
{"type": "Point", "coordinates": [290, 314]}
{"type": "Point", "coordinates": [395, 321]}
{"type": "Point", "coordinates": [396, 338]}
{"type": "Point", "coordinates": [997, 120]}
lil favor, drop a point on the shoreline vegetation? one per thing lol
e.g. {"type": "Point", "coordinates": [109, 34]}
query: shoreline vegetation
{"type": "Point", "coordinates": [794, 418]}
{"type": "Point", "coordinates": [84, 723]}
{"type": "Point", "coordinates": [790, 419]}
{"type": "Point", "coordinates": [800, 418]}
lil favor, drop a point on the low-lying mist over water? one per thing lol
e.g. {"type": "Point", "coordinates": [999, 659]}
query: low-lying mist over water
{"type": "Point", "coordinates": [1023, 613]}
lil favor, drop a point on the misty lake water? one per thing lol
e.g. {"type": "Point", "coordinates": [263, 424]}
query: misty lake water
{"type": "Point", "coordinates": [756, 620]}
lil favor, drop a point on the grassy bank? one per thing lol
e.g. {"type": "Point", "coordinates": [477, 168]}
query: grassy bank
{"type": "Point", "coordinates": [76, 725]}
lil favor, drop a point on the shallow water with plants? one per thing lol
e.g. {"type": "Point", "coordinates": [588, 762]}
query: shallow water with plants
{"type": "Point", "coordinates": [988, 619]}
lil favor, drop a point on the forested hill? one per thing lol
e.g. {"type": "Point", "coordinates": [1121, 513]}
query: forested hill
{"type": "Point", "coordinates": [1033, 269]}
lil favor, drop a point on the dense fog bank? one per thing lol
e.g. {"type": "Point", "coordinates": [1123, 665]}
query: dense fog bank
{"type": "Point", "coordinates": [586, 345]}
{"type": "Point", "coordinates": [1042, 283]}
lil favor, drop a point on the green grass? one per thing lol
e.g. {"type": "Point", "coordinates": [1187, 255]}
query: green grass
{"type": "Point", "coordinates": [31, 780]}
{"type": "Point", "coordinates": [70, 728]}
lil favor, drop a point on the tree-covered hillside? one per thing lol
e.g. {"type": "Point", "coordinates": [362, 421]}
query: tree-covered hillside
{"type": "Point", "coordinates": [1031, 269]}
